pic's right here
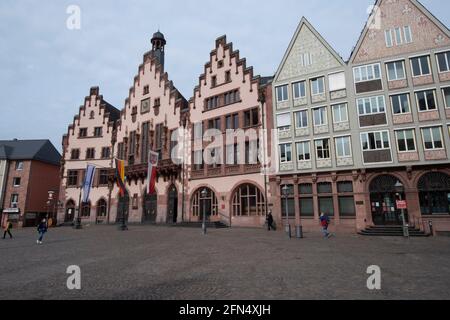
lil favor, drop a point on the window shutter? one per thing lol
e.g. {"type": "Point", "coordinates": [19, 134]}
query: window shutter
{"type": "Point", "coordinates": [337, 81]}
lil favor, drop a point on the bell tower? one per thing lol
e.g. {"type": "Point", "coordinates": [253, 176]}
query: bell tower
{"type": "Point", "coordinates": [158, 44]}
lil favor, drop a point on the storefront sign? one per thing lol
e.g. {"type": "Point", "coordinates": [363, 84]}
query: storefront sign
{"type": "Point", "coordinates": [401, 204]}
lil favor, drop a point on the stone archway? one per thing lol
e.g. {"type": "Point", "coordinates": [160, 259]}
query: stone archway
{"type": "Point", "coordinates": [383, 195]}
{"type": "Point", "coordinates": [204, 204]}
{"type": "Point", "coordinates": [150, 207]}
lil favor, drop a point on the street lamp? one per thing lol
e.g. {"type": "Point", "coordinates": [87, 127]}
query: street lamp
{"type": "Point", "coordinates": [399, 189]}
{"type": "Point", "coordinates": [204, 194]}
{"type": "Point", "coordinates": [288, 225]}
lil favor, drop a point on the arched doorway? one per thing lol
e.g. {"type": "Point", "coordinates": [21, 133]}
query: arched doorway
{"type": "Point", "coordinates": [101, 209]}
{"type": "Point", "coordinates": [383, 195]}
{"type": "Point", "coordinates": [172, 205]}
{"type": "Point", "coordinates": [150, 207]}
{"type": "Point", "coordinates": [434, 193]}
{"type": "Point", "coordinates": [204, 203]}
{"type": "Point", "coordinates": [248, 201]}
{"type": "Point", "coordinates": [70, 211]}
{"type": "Point", "coordinates": [123, 206]}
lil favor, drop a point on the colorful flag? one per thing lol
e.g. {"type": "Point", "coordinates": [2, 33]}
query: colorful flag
{"type": "Point", "coordinates": [120, 176]}
{"type": "Point", "coordinates": [87, 184]}
{"type": "Point", "coordinates": [153, 158]}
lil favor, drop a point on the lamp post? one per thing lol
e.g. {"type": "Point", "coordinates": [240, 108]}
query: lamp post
{"type": "Point", "coordinates": [203, 194]}
{"type": "Point", "coordinates": [399, 189]}
{"type": "Point", "coordinates": [288, 225]}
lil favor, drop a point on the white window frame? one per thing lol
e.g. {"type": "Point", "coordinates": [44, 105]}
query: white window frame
{"type": "Point", "coordinates": [287, 93]}
{"type": "Point", "coordinates": [293, 89]}
{"type": "Point", "coordinates": [285, 145]}
{"type": "Point", "coordinates": [443, 97]}
{"type": "Point", "coordinates": [382, 141]}
{"type": "Point", "coordinates": [432, 136]}
{"type": "Point", "coordinates": [312, 86]}
{"type": "Point", "coordinates": [306, 57]}
{"type": "Point", "coordinates": [284, 128]}
{"type": "Point", "coordinates": [388, 38]}
{"type": "Point", "coordinates": [396, 73]}
{"type": "Point", "coordinates": [406, 143]}
{"type": "Point", "coordinates": [307, 119]}
{"type": "Point", "coordinates": [329, 148]}
{"type": "Point", "coordinates": [345, 105]}
{"type": "Point", "coordinates": [325, 119]}
{"type": "Point", "coordinates": [336, 144]}
{"type": "Point", "coordinates": [367, 67]}
{"type": "Point", "coordinates": [330, 77]}
{"type": "Point", "coordinates": [397, 95]}
{"type": "Point", "coordinates": [447, 60]}
{"type": "Point", "coordinates": [435, 100]}
{"type": "Point", "coordinates": [398, 36]}
{"type": "Point", "coordinates": [302, 143]}
{"type": "Point", "coordinates": [14, 182]}
{"type": "Point", "coordinates": [371, 106]}
{"type": "Point", "coordinates": [410, 34]}
{"type": "Point", "coordinates": [420, 66]}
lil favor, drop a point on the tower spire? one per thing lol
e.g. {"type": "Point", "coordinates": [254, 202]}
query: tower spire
{"type": "Point", "coordinates": [158, 45]}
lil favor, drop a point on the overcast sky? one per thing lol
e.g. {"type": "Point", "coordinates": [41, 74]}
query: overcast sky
{"type": "Point", "coordinates": [46, 69]}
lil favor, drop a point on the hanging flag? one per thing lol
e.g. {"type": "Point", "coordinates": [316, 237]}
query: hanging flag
{"type": "Point", "coordinates": [153, 158]}
{"type": "Point", "coordinates": [87, 184]}
{"type": "Point", "coordinates": [120, 176]}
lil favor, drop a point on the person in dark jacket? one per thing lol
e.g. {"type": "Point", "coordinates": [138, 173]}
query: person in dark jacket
{"type": "Point", "coordinates": [270, 221]}
{"type": "Point", "coordinates": [7, 229]}
{"type": "Point", "coordinates": [42, 229]}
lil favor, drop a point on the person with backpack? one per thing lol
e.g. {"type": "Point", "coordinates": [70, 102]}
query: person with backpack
{"type": "Point", "coordinates": [7, 229]}
{"type": "Point", "coordinates": [325, 222]}
{"type": "Point", "coordinates": [42, 229]}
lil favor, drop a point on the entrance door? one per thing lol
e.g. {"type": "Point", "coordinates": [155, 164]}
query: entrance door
{"type": "Point", "coordinates": [123, 209]}
{"type": "Point", "coordinates": [70, 212]}
{"type": "Point", "coordinates": [384, 193]}
{"type": "Point", "coordinates": [150, 208]}
{"type": "Point", "coordinates": [384, 209]}
{"type": "Point", "coordinates": [172, 205]}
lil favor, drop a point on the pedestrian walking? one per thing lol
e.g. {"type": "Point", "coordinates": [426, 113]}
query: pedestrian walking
{"type": "Point", "coordinates": [42, 229]}
{"type": "Point", "coordinates": [325, 222]}
{"type": "Point", "coordinates": [7, 229]}
{"type": "Point", "coordinates": [270, 222]}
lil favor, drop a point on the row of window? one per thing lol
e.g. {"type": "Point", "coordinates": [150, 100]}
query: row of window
{"type": "Point", "coordinates": [432, 138]}
{"type": "Point", "coordinates": [325, 199]}
{"type": "Point", "coordinates": [90, 153]}
{"type": "Point", "coordinates": [320, 117]}
{"type": "Point", "coordinates": [336, 82]}
{"type": "Point", "coordinates": [74, 177]}
{"type": "Point", "coordinates": [83, 132]}
{"type": "Point", "coordinates": [322, 149]}
{"type": "Point", "coordinates": [426, 100]}
{"type": "Point", "coordinates": [223, 99]}
{"type": "Point", "coordinates": [231, 121]}
{"type": "Point", "coordinates": [396, 70]}
{"type": "Point", "coordinates": [400, 103]}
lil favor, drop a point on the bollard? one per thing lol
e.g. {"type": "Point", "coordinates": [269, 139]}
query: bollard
{"type": "Point", "coordinates": [430, 224]}
{"type": "Point", "coordinates": [299, 232]}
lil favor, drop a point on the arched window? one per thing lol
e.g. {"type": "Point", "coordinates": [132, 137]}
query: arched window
{"type": "Point", "coordinates": [434, 193]}
{"type": "Point", "coordinates": [383, 184]}
{"type": "Point", "coordinates": [86, 209]}
{"type": "Point", "coordinates": [101, 208]}
{"type": "Point", "coordinates": [70, 211]}
{"type": "Point", "coordinates": [248, 200]}
{"type": "Point", "coordinates": [91, 116]}
{"type": "Point", "coordinates": [204, 201]}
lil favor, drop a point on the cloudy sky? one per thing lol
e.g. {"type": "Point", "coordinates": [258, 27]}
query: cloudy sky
{"type": "Point", "coordinates": [46, 69]}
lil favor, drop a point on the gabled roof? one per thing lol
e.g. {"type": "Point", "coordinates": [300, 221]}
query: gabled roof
{"type": "Point", "coordinates": [305, 22]}
{"type": "Point", "coordinates": [40, 150]}
{"type": "Point", "coordinates": [416, 3]}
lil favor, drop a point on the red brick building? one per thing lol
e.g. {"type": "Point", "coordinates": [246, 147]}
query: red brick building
{"type": "Point", "coordinates": [29, 172]}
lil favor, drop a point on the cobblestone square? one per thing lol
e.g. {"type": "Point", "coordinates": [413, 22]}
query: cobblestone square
{"type": "Point", "coordinates": [155, 262]}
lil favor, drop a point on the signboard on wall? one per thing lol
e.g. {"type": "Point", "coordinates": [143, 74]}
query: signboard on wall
{"type": "Point", "coordinates": [401, 204]}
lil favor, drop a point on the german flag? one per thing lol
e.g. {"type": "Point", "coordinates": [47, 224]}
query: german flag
{"type": "Point", "coordinates": [120, 175]}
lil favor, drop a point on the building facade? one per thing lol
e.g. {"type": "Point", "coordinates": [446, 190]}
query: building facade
{"type": "Point", "coordinates": [226, 115]}
{"type": "Point", "coordinates": [29, 181]}
{"type": "Point", "coordinates": [355, 137]}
